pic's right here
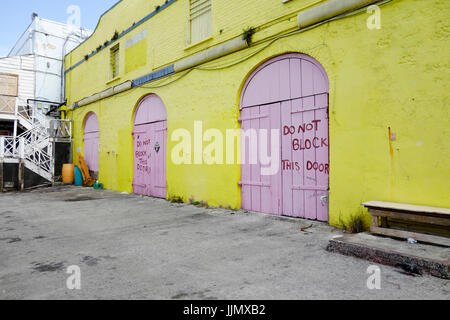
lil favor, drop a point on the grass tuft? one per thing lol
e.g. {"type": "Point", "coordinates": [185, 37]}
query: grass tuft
{"type": "Point", "coordinates": [355, 223]}
{"type": "Point", "coordinates": [176, 199]}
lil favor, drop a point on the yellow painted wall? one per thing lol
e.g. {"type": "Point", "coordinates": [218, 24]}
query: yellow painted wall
{"type": "Point", "coordinates": [395, 77]}
{"type": "Point", "coordinates": [136, 56]}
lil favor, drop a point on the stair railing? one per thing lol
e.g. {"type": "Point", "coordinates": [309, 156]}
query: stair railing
{"type": "Point", "coordinates": [33, 146]}
{"type": "Point", "coordinates": [9, 147]}
{"type": "Point", "coordinates": [20, 148]}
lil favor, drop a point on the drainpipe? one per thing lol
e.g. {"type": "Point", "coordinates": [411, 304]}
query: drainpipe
{"type": "Point", "coordinates": [218, 51]}
{"type": "Point", "coordinates": [15, 121]}
{"type": "Point", "coordinates": [329, 10]}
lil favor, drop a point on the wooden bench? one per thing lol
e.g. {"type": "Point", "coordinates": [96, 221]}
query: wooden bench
{"type": "Point", "coordinates": [381, 211]}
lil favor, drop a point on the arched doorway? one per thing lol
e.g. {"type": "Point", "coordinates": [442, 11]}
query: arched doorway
{"type": "Point", "coordinates": [288, 93]}
{"type": "Point", "coordinates": [91, 142]}
{"type": "Point", "coordinates": [150, 140]}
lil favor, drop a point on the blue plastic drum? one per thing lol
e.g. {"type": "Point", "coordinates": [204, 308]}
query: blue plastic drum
{"type": "Point", "coordinates": [78, 177]}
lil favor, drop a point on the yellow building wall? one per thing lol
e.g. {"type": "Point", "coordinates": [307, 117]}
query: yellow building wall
{"type": "Point", "coordinates": [395, 78]}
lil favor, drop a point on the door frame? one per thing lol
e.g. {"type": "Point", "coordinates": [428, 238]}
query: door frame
{"type": "Point", "coordinates": [158, 117]}
{"type": "Point", "coordinates": [242, 105]}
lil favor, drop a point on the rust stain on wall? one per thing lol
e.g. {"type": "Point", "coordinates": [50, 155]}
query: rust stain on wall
{"type": "Point", "coordinates": [391, 148]}
{"type": "Point", "coordinates": [392, 182]}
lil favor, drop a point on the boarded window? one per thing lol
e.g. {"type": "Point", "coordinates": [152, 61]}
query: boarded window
{"type": "Point", "coordinates": [114, 62]}
{"type": "Point", "coordinates": [9, 86]}
{"type": "Point", "coordinates": [200, 20]}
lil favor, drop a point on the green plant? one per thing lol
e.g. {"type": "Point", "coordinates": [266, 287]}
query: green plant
{"type": "Point", "coordinates": [176, 199]}
{"type": "Point", "coordinates": [203, 204]}
{"type": "Point", "coordinates": [115, 36]}
{"type": "Point", "coordinates": [200, 204]}
{"type": "Point", "coordinates": [248, 34]}
{"type": "Point", "coordinates": [355, 223]}
{"type": "Point", "coordinates": [86, 57]}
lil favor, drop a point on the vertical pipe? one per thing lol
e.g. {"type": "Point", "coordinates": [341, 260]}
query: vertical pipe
{"type": "Point", "coordinates": [2, 147]}
{"type": "Point", "coordinates": [1, 174]}
{"type": "Point", "coordinates": [15, 126]}
{"type": "Point", "coordinates": [22, 148]}
{"type": "Point", "coordinates": [2, 154]}
{"type": "Point", "coordinates": [21, 170]}
{"type": "Point", "coordinates": [52, 169]}
{"type": "Point", "coordinates": [52, 129]}
{"type": "Point", "coordinates": [21, 175]}
{"type": "Point", "coordinates": [15, 129]}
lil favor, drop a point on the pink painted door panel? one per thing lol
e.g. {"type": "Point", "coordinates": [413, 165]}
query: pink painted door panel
{"type": "Point", "coordinates": [91, 142]}
{"type": "Point", "coordinates": [142, 160]}
{"type": "Point", "coordinates": [158, 134]}
{"type": "Point", "coordinates": [150, 143]}
{"type": "Point", "coordinates": [150, 159]}
{"type": "Point", "coordinates": [260, 192]}
{"type": "Point", "coordinates": [305, 163]}
{"type": "Point", "coordinates": [290, 94]}
{"type": "Point", "coordinates": [91, 150]}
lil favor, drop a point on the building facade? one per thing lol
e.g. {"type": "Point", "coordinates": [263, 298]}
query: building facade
{"type": "Point", "coordinates": [49, 42]}
{"type": "Point", "coordinates": [33, 141]}
{"type": "Point", "coordinates": [303, 108]}
{"type": "Point", "coordinates": [17, 82]}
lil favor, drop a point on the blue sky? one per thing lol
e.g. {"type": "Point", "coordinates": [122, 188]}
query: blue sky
{"type": "Point", "coordinates": [15, 16]}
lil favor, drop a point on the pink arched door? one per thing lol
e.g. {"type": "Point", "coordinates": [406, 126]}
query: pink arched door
{"type": "Point", "coordinates": [150, 139]}
{"type": "Point", "coordinates": [91, 141]}
{"type": "Point", "coordinates": [287, 95]}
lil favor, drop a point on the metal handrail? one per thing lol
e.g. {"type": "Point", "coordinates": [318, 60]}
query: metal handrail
{"type": "Point", "coordinates": [8, 147]}
{"type": "Point", "coordinates": [34, 144]}
{"type": "Point", "coordinates": [60, 128]}
{"type": "Point", "coordinates": [15, 147]}
{"type": "Point", "coordinates": [39, 157]}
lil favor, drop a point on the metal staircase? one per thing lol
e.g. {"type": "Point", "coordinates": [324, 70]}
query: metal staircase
{"type": "Point", "coordinates": [34, 147]}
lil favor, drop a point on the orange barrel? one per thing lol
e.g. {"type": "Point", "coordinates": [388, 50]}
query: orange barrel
{"type": "Point", "coordinates": [68, 173]}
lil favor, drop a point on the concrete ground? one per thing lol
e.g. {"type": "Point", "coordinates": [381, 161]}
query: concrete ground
{"type": "Point", "coordinates": [131, 247]}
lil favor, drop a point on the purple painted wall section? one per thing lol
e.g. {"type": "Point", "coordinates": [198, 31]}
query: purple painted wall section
{"type": "Point", "coordinates": [150, 143]}
{"type": "Point", "coordinates": [289, 93]}
{"type": "Point", "coordinates": [91, 141]}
